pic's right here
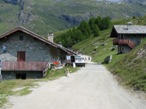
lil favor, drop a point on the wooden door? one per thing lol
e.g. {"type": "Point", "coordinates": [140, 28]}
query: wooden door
{"type": "Point", "coordinates": [21, 56]}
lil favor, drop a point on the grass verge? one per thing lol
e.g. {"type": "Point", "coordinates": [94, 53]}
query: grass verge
{"type": "Point", "coordinates": [55, 74]}
{"type": "Point", "coordinates": [130, 68]}
{"type": "Point", "coordinates": [6, 88]}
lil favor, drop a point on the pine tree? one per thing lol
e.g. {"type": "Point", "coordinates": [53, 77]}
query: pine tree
{"type": "Point", "coordinates": [85, 29]}
{"type": "Point", "coordinates": [98, 22]}
{"type": "Point", "coordinates": [92, 24]}
{"type": "Point", "coordinates": [106, 23]}
{"type": "Point", "coordinates": [96, 30]}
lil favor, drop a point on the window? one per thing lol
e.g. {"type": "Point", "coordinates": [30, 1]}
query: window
{"type": "Point", "coordinates": [21, 56]}
{"type": "Point", "coordinates": [20, 37]}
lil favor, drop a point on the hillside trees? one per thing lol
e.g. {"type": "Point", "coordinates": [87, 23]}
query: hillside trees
{"type": "Point", "coordinates": [94, 27]}
{"type": "Point", "coordinates": [85, 30]}
{"type": "Point", "coordinates": [105, 23]}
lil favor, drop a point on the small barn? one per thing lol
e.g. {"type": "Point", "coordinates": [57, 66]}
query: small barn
{"type": "Point", "coordinates": [127, 37]}
{"type": "Point", "coordinates": [25, 54]}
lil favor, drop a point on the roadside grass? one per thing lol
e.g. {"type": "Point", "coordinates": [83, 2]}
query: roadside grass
{"type": "Point", "coordinates": [23, 91]}
{"type": "Point", "coordinates": [23, 87]}
{"type": "Point", "coordinates": [7, 86]}
{"type": "Point", "coordinates": [131, 69]}
{"type": "Point", "coordinates": [55, 74]}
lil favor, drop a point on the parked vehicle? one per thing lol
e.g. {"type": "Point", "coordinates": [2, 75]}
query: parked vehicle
{"type": "Point", "coordinates": [79, 61]}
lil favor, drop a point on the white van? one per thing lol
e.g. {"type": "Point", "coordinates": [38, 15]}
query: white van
{"type": "Point", "coordinates": [79, 61]}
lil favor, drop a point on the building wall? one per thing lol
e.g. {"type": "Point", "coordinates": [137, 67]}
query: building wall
{"type": "Point", "coordinates": [35, 50]}
{"type": "Point", "coordinates": [123, 49]}
{"type": "Point", "coordinates": [136, 38]}
{"type": "Point", "coordinates": [8, 75]}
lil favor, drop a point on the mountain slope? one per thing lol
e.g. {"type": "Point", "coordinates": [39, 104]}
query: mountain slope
{"type": "Point", "coordinates": [47, 16]}
{"type": "Point", "coordinates": [140, 2]}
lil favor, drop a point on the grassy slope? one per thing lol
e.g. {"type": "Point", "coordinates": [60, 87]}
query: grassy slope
{"type": "Point", "coordinates": [132, 73]}
{"type": "Point", "coordinates": [4, 11]}
{"type": "Point", "coordinates": [131, 69]}
{"type": "Point", "coordinates": [96, 44]}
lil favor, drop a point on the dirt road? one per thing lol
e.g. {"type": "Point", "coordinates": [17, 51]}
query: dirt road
{"type": "Point", "coordinates": [92, 87]}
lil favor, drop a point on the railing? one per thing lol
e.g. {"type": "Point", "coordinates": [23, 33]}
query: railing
{"type": "Point", "coordinates": [46, 69]}
{"type": "Point", "coordinates": [24, 66]}
{"type": "Point", "coordinates": [128, 42]}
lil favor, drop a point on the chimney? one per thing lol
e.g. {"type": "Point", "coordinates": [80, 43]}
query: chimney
{"type": "Point", "coordinates": [129, 24]}
{"type": "Point", "coordinates": [60, 44]}
{"type": "Point", "coordinates": [51, 37]}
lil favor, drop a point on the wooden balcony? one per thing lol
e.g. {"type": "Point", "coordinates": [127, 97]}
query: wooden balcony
{"type": "Point", "coordinates": [127, 42]}
{"type": "Point", "coordinates": [24, 66]}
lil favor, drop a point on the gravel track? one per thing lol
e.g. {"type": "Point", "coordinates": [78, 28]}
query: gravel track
{"type": "Point", "coordinates": [92, 87]}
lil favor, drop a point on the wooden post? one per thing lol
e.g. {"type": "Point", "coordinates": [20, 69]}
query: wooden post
{"type": "Point", "coordinates": [0, 75]}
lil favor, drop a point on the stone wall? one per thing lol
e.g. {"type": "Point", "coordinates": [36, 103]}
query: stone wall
{"type": "Point", "coordinates": [35, 50]}
{"type": "Point", "coordinates": [8, 75]}
{"type": "Point", "coordinates": [124, 49]}
{"type": "Point", "coordinates": [135, 38]}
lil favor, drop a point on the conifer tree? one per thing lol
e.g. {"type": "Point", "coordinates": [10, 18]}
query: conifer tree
{"type": "Point", "coordinates": [85, 29]}
{"type": "Point", "coordinates": [96, 30]}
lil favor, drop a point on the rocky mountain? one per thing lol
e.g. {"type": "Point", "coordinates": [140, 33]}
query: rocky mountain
{"type": "Point", "coordinates": [135, 1]}
{"type": "Point", "coordinates": [47, 16]}
{"type": "Point", "coordinates": [16, 2]}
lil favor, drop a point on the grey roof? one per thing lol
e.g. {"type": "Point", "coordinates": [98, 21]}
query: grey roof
{"type": "Point", "coordinates": [37, 37]}
{"type": "Point", "coordinates": [130, 29]}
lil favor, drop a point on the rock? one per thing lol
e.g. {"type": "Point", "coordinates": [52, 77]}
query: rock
{"type": "Point", "coordinates": [75, 20]}
{"type": "Point", "coordinates": [96, 47]}
{"type": "Point", "coordinates": [103, 44]}
{"type": "Point", "coordinates": [113, 48]}
{"type": "Point", "coordinates": [93, 52]}
{"type": "Point", "coordinates": [16, 2]}
{"type": "Point", "coordinates": [24, 17]}
{"type": "Point", "coordinates": [108, 59]}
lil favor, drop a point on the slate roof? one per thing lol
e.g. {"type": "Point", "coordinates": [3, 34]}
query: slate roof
{"type": "Point", "coordinates": [41, 38]}
{"type": "Point", "coordinates": [128, 29]}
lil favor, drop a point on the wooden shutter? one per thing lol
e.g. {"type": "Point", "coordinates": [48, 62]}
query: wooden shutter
{"type": "Point", "coordinates": [21, 56]}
